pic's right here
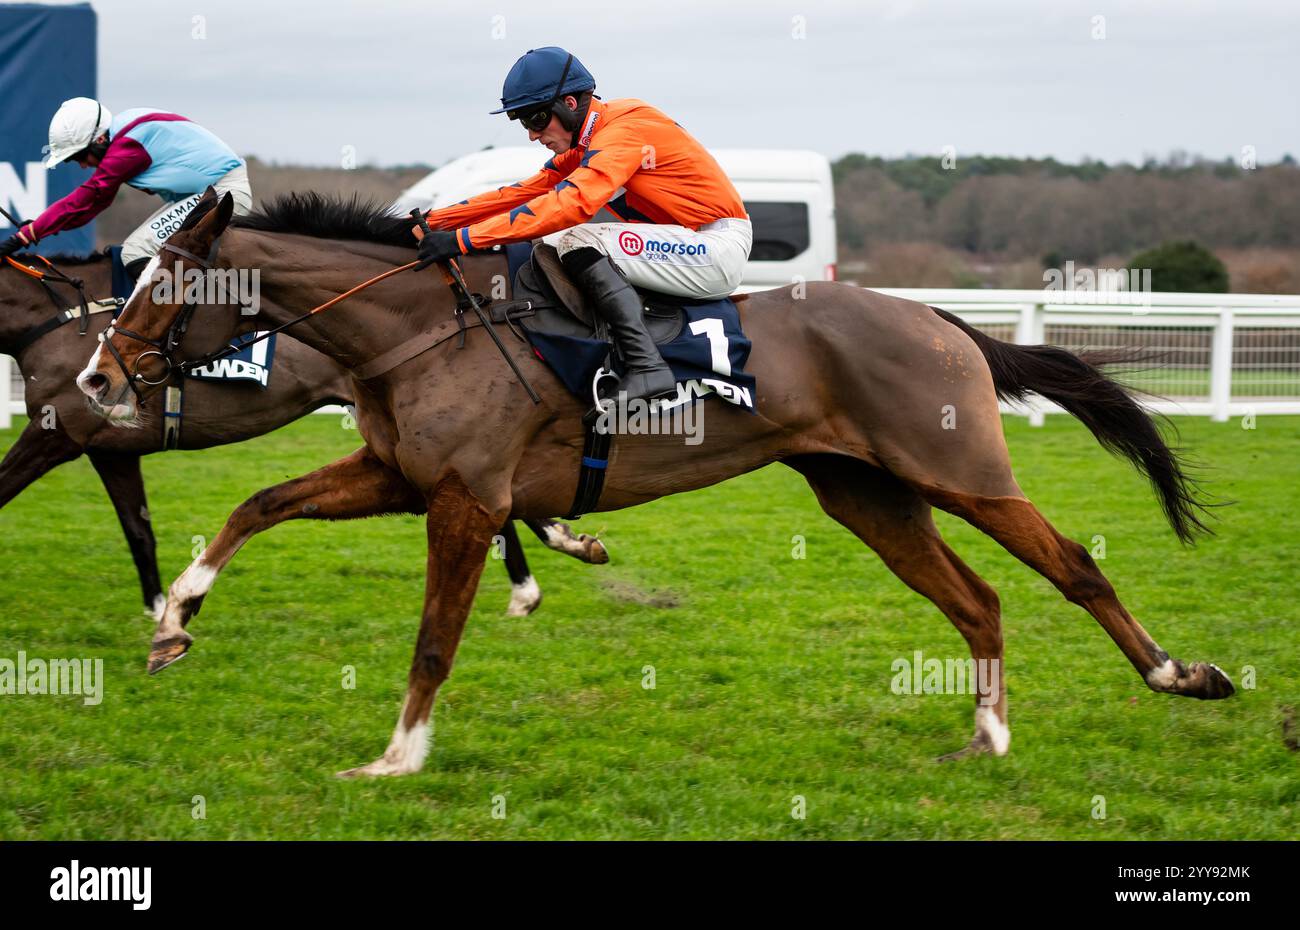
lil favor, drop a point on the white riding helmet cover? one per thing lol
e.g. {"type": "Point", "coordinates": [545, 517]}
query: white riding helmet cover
{"type": "Point", "coordinates": [77, 123]}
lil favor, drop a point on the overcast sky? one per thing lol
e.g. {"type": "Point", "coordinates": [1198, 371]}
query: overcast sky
{"type": "Point", "coordinates": [406, 81]}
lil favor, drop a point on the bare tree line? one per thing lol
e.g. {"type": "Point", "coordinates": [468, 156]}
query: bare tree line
{"type": "Point", "coordinates": [983, 222]}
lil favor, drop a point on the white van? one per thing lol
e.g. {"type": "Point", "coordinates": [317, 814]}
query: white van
{"type": "Point", "coordinates": [788, 194]}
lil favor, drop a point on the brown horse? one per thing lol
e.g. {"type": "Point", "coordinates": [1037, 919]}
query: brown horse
{"type": "Point", "coordinates": [62, 426]}
{"type": "Point", "coordinates": [885, 406]}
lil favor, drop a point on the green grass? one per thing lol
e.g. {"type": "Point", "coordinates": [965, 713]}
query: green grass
{"type": "Point", "coordinates": [773, 673]}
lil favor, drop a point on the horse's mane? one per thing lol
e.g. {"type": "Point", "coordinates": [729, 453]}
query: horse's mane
{"type": "Point", "coordinates": [329, 216]}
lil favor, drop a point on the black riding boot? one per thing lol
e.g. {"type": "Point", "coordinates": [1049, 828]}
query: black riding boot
{"type": "Point", "coordinates": [619, 305]}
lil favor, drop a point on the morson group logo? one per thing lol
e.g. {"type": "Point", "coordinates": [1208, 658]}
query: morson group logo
{"type": "Point", "coordinates": [630, 243]}
{"type": "Point", "coordinates": [587, 130]}
{"type": "Point", "coordinates": [655, 250]}
{"type": "Point", "coordinates": [677, 248]}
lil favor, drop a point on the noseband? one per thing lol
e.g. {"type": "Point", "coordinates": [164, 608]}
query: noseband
{"type": "Point", "coordinates": [171, 340]}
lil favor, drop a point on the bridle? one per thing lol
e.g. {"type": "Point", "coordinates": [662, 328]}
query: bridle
{"type": "Point", "coordinates": [47, 278]}
{"type": "Point", "coordinates": [170, 341]}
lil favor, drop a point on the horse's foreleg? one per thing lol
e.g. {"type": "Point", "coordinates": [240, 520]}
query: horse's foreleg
{"type": "Point", "coordinates": [357, 486]}
{"type": "Point", "coordinates": [560, 537]}
{"type": "Point", "coordinates": [460, 530]}
{"type": "Point", "coordinates": [36, 452]}
{"type": "Point", "coordinates": [120, 473]}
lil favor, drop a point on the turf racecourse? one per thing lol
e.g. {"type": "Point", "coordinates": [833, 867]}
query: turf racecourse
{"type": "Point", "coordinates": [772, 673]}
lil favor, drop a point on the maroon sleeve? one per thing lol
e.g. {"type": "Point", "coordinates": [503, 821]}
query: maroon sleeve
{"type": "Point", "coordinates": [124, 159]}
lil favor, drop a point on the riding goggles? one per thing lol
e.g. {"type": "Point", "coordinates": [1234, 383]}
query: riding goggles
{"type": "Point", "coordinates": [535, 120]}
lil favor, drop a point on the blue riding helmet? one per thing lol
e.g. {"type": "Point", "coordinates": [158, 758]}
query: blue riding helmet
{"type": "Point", "coordinates": [536, 79]}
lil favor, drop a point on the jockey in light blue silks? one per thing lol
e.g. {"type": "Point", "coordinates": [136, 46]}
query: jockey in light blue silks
{"type": "Point", "coordinates": [152, 150]}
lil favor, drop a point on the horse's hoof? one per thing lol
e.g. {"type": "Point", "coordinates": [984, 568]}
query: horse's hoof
{"type": "Point", "coordinates": [1208, 682]}
{"type": "Point", "coordinates": [524, 599]}
{"type": "Point", "coordinates": [1199, 680]}
{"type": "Point", "coordinates": [596, 553]}
{"type": "Point", "coordinates": [582, 546]}
{"type": "Point", "coordinates": [165, 652]}
{"type": "Point", "coordinates": [380, 768]}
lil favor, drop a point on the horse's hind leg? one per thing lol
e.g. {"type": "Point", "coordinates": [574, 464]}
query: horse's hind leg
{"type": "Point", "coordinates": [560, 537]}
{"type": "Point", "coordinates": [120, 473]}
{"type": "Point", "coordinates": [460, 530]}
{"type": "Point", "coordinates": [1025, 533]}
{"type": "Point", "coordinates": [359, 485]}
{"type": "Point", "coordinates": [896, 522]}
{"type": "Point", "coordinates": [525, 595]}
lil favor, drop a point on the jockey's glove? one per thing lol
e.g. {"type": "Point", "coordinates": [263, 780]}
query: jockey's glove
{"type": "Point", "coordinates": [437, 246]}
{"type": "Point", "coordinates": [14, 243]}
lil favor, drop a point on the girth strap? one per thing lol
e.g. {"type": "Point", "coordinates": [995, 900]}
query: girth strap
{"type": "Point", "coordinates": [595, 463]}
{"type": "Point", "coordinates": [173, 402]}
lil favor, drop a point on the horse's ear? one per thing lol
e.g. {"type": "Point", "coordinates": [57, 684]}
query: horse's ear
{"type": "Point", "coordinates": [216, 220]}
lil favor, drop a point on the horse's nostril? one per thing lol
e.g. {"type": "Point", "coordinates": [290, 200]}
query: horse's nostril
{"type": "Point", "coordinates": [93, 385]}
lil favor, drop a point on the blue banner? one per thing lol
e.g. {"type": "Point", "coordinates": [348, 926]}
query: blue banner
{"type": "Point", "coordinates": [47, 54]}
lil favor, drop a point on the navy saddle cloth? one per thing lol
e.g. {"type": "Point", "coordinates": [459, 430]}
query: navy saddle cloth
{"type": "Point", "coordinates": [700, 340]}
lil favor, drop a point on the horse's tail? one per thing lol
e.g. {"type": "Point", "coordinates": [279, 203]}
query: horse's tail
{"type": "Point", "coordinates": [1109, 411]}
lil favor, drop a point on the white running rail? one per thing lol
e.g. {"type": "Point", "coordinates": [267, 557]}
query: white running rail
{"type": "Point", "coordinates": [1224, 355]}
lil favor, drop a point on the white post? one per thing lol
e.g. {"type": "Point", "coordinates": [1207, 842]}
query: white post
{"type": "Point", "coordinates": [1221, 367]}
{"type": "Point", "coordinates": [1029, 331]}
{"type": "Point", "coordinates": [6, 367]}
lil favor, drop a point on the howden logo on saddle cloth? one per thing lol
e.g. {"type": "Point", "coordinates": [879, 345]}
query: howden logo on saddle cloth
{"type": "Point", "coordinates": [250, 363]}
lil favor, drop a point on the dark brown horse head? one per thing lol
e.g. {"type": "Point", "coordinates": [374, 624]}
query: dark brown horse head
{"type": "Point", "coordinates": [170, 318]}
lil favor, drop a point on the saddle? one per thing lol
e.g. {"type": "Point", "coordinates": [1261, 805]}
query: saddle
{"type": "Point", "coordinates": [573, 341]}
{"type": "Point", "coordinates": [559, 308]}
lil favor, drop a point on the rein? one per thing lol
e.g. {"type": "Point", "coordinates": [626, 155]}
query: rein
{"type": "Point", "coordinates": [46, 279]}
{"type": "Point", "coordinates": [163, 348]}
{"type": "Point", "coordinates": [56, 276]}
{"type": "Point", "coordinates": [186, 367]}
